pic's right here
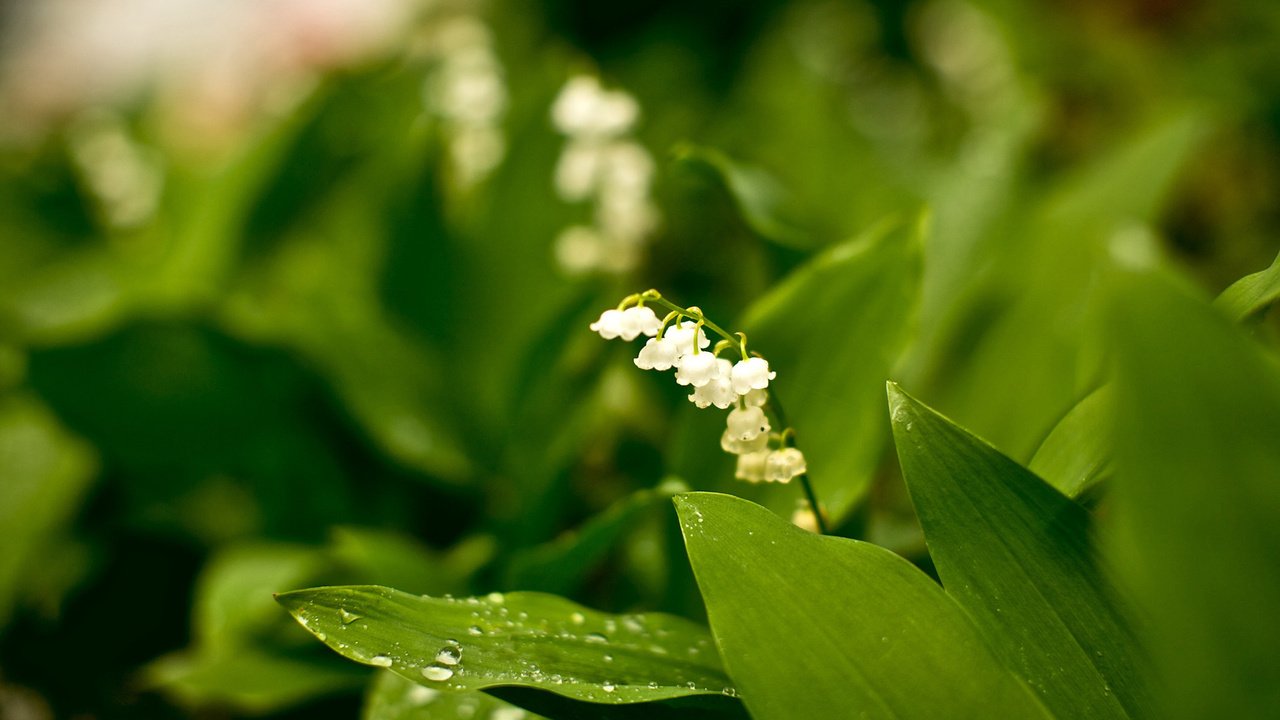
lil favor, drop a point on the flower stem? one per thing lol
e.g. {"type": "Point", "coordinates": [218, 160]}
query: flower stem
{"type": "Point", "coordinates": [789, 437]}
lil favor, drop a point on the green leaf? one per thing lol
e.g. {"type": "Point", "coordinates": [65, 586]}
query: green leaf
{"type": "Point", "coordinates": [1196, 498]}
{"type": "Point", "coordinates": [44, 473]}
{"type": "Point", "coordinates": [808, 624]}
{"type": "Point", "coordinates": [833, 331]}
{"type": "Point", "coordinates": [1251, 295]}
{"type": "Point", "coordinates": [1016, 555]}
{"type": "Point", "coordinates": [251, 680]}
{"type": "Point", "coordinates": [1076, 455]}
{"type": "Point", "coordinates": [392, 697]}
{"type": "Point", "coordinates": [764, 204]}
{"type": "Point", "coordinates": [529, 640]}
{"type": "Point", "coordinates": [385, 557]}
{"type": "Point", "coordinates": [562, 565]}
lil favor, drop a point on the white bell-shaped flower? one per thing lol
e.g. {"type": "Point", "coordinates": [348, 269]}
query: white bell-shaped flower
{"type": "Point", "coordinates": [682, 336]}
{"type": "Point", "coordinates": [612, 324]}
{"type": "Point", "coordinates": [640, 321]}
{"type": "Point", "coordinates": [751, 466]}
{"type": "Point", "coordinates": [783, 465]}
{"type": "Point", "coordinates": [747, 424]}
{"type": "Point", "coordinates": [657, 354]}
{"type": "Point", "coordinates": [696, 369]}
{"type": "Point", "coordinates": [718, 391]}
{"type": "Point", "coordinates": [751, 374]}
{"type": "Point", "coordinates": [755, 398]}
{"type": "Point", "coordinates": [735, 445]}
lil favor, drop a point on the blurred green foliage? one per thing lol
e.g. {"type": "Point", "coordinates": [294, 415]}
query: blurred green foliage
{"type": "Point", "coordinates": [301, 350]}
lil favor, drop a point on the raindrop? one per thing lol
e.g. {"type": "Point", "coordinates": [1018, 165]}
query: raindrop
{"type": "Point", "coordinates": [496, 598]}
{"type": "Point", "coordinates": [578, 618]}
{"type": "Point", "coordinates": [449, 655]}
{"type": "Point", "coordinates": [608, 687]}
{"type": "Point", "coordinates": [475, 630]}
{"type": "Point", "coordinates": [380, 661]}
{"type": "Point", "coordinates": [591, 638]}
{"type": "Point", "coordinates": [438, 673]}
{"type": "Point", "coordinates": [731, 692]}
{"type": "Point", "coordinates": [608, 658]}
{"type": "Point", "coordinates": [321, 637]}
{"type": "Point", "coordinates": [633, 624]}
{"type": "Point", "coordinates": [347, 617]}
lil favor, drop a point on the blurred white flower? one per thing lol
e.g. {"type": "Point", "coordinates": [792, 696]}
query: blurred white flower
{"type": "Point", "coordinates": [783, 465]}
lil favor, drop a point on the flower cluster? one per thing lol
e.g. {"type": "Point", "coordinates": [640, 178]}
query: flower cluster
{"type": "Point", "coordinates": [679, 342]}
{"type": "Point", "coordinates": [467, 92]}
{"type": "Point", "coordinates": [602, 165]}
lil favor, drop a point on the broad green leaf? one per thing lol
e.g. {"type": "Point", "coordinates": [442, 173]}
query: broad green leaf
{"type": "Point", "coordinates": [1015, 554]}
{"type": "Point", "coordinates": [833, 330]}
{"type": "Point", "coordinates": [44, 473]}
{"type": "Point", "coordinates": [763, 202]}
{"type": "Point", "coordinates": [529, 640]}
{"type": "Point", "coordinates": [392, 697]}
{"type": "Point", "coordinates": [818, 627]}
{"type": "Point", "coordinates": [232, 606]}
{"type": "Point", "coordinates": [1253, 294]}
{"type": "Point", "coordinates": [1076, 455]}
{"type": "Point", "coordinates": [562, 565]}
{"type": "Point", "coordinates": [392, 558]}
{"type": "Point", "coordinates": [251, 680]}
{"type": "Point", "coordinates": [1196, 497]}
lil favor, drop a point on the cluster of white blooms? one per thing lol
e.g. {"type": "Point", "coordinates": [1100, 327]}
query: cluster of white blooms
{"type": "Point", "coordinates": [466, 91]}
{"type": "Point", "coordinates": [602, 165]}
{"type": "Point", "coordinates": [681, 344]}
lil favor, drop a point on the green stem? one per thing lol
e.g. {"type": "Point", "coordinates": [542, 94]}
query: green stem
{"type": "Point", "coordinates": [804, 478]}
{"type": "Point", "coordinates": [663, 302]}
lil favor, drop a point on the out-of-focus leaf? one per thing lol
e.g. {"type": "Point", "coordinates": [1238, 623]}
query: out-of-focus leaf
{"type": "Point", "coordinates": [233, 602]}
{"type": "Point", "coordinates": [392, 558]}
{"type": "Point", "coordinates": [562, 565]}
{"type": "Point", "coordinates": [44, 473]}
{"type": "Point", "coordinates": [816, 627]}
{"type": "Point", "coordinates": [1253, 294]}
{"type": "Point", "coordinates": [1196, 497]}
{"type": "Point", "coordinates": [251, 680]}
{"type": "Point", "coordinates": [833, 330]}
{"type": "Point", "coordinates": [528, 640]}
{"type": "Point", "coordinates": [1015, 554]}
{"type": "Point", "coordinates": [1076, 455]}
{"type": "Point", "coordinates": [392, 697]}
{"type": "Point", "coordinates": [764, 204]}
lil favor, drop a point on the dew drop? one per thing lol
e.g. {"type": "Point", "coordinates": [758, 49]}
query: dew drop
{"type": "Point", "coordinates": [380, 661]}
{"type": "Point", "coordinates": [578, 618]}
{"type": "Point", "coordinates": [437, 673]}
{"type": "Point", "coordinates": [321, 637]}
{"type": "Point", "coordinates": [449, 655]}
{"type": "Point", "coordinates": [596, 638]}
{"type": "Point", "coordinates": [496, 598]}
{"type": "Point", "coordinates": [608, 658]}
{"type": "Point", "coordinates": [419, 695]}
{"type": "Point", "coordinates": [347, 616]}
{"type": "Point", "coordinates": [475, 630]}
{"type": "Point", "coordinates": [633, 624]}
{"type": "Point", "coordinates": [731, 692]}
{"type": "Point", "coordinates": [608, 687]}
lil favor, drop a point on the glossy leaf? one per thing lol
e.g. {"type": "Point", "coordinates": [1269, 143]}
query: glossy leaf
{"type": "Point", "coordinates": [1076, 455]}
{"type": "Point", "coordinates": [817, 627]}
{"type": "Point", "coordinates": [1251, 295]}
{"type": "Point", "coordinates": [764, 204]}
{"type": "Point", "coordinates": [833, 330]}
{"type": "Point", "coordinates": [1015, 554]}
{"type": "Point", "coordinates": [1196, 498]}
{"type": "Point", "coordinates": [528, 640]}
{"type": "Point", "coordinates": [251, 680]}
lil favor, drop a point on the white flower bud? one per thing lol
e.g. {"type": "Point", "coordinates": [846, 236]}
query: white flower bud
{"type": "Point", "coordinates": [718, 391]}
{"type": "Point", "coordinates": [640, 320]}
{"type": "Point", "coordinates": [756, 398]}
{"type": "Point", "coordinates": [751, 466]}
{"type": "Point", "coordinates": [735, 445]}
{"type": "Point", "coordinates": [682, 336]}
{"type": "Point", "coordinates": [657, 354]}
{"type": "Point", "coordinates": [748, 423]}
{"type": "Point", "coordinates": [751, 374]}
{"type": "Point", "coordinates": [783, 465]}
{"type": "Point", "coordinates": [610, 325]}
{"type": "Point", "coordinates": [696, 369]}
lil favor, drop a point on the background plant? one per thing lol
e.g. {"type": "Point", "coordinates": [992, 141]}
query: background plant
{"type": "Point", "coordinates": [283, 310]}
